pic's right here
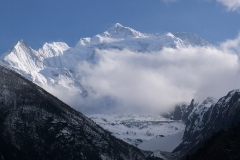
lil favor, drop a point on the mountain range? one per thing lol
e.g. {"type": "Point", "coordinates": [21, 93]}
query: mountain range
{"type": "Point", "coordinates": [56, 64]}
{"type": "Point", "coordinates": [34, 123]}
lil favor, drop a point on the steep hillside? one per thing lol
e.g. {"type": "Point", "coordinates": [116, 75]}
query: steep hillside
{"type": "Point", "coordinates": [36, 125]}
{"type": "Point", "coordinates": [222, 145]}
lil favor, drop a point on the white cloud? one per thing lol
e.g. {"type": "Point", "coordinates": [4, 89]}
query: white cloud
{"type": "Point", "coordinates": [127, 81]}
{"type": "Point", "coordinates": [233, 45]}
{"type": "Point", "coordinates": [231, 4]}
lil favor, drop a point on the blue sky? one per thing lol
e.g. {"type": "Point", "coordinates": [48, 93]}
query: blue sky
{"type": "Point", "coordinates": [43, 21]}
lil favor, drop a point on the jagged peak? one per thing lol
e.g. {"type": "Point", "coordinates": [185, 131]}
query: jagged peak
{"type": "Point", "coordinates": [21, 43]}
{"type": "Point", "coordinates": [118, 25]}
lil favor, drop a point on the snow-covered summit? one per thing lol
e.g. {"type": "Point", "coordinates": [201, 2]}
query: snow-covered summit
{"type": "Point", "coordinates": [119, 36]}
{"type": "Point", "coordinates": [20, 46]}
{"type": "Point", "coordinates": [21, 43]}
{"type": "Point", "coordinates": [119, 31]}
{"type": "Point", "coordinates": [22, 58]}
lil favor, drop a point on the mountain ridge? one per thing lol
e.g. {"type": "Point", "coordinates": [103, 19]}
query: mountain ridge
{"type": "Point", "coordinates": [205, 120]}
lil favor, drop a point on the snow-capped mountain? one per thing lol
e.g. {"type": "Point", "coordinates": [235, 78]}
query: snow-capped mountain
{"type": "Point", "coordinates": [122, 37]}
{"type": "Point", "coordinates": [135, 129]}
{"type": "Point", "coordinates": [207, 118]}
{"type": "Point", "coordinates": [56, 64]}
{"type": "Point", "coordinates": [37, 125]}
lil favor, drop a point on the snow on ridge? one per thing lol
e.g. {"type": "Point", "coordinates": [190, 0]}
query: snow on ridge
{"type": "Point", "coordinates": [47, 66]}
{"type": "Point", "coordinates": [58, 46]}
{"type": "Point", "coordinates": [208, 102]}
{"type": "Point", "coordinates": [192, 39]}
{"type": "Point", "coordinates": [23, 58]}
{"type": "Point", "coordinates": [121, 37]}
{"type": "Point", "coordinates": [226, 99]}
{"type": "Point", "coordinates": [200, 110]}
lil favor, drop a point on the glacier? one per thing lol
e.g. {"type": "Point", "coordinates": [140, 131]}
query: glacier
{"type": "Point", "coordinates": [136, 129]}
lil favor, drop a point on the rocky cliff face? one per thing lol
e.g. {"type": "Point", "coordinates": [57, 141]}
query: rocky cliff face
{"type": "Point", "coordinates": [207, 118]}
{"type": "Point", "coordinates": [36, 125]}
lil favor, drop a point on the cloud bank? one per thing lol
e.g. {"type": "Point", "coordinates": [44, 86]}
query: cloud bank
{"type": "Point", "coordinates": [154, 82]}
{"type": "Point", "coordinates": [232, 5]}
{"type": "Point", "coordinates": [232, 45]}
{"type": "Point", "coordinates": [125, 81]}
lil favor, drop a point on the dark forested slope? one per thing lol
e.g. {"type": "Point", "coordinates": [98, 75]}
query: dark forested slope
{"type": "Point", "coordinates": [221, 146]}
{"type": "Point", "coordinates": [36, 125]}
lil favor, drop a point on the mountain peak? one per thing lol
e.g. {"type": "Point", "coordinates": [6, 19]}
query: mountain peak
{"type": "Point", "coordinates": [120, 31]}
{"type": "Point", "coordinates": [118, 25]}
{"type": "Point", "coordinates": [21, 44]}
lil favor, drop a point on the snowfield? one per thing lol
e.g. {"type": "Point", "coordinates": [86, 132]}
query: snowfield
{"type": "Point", "coordinates": [141, 130]}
